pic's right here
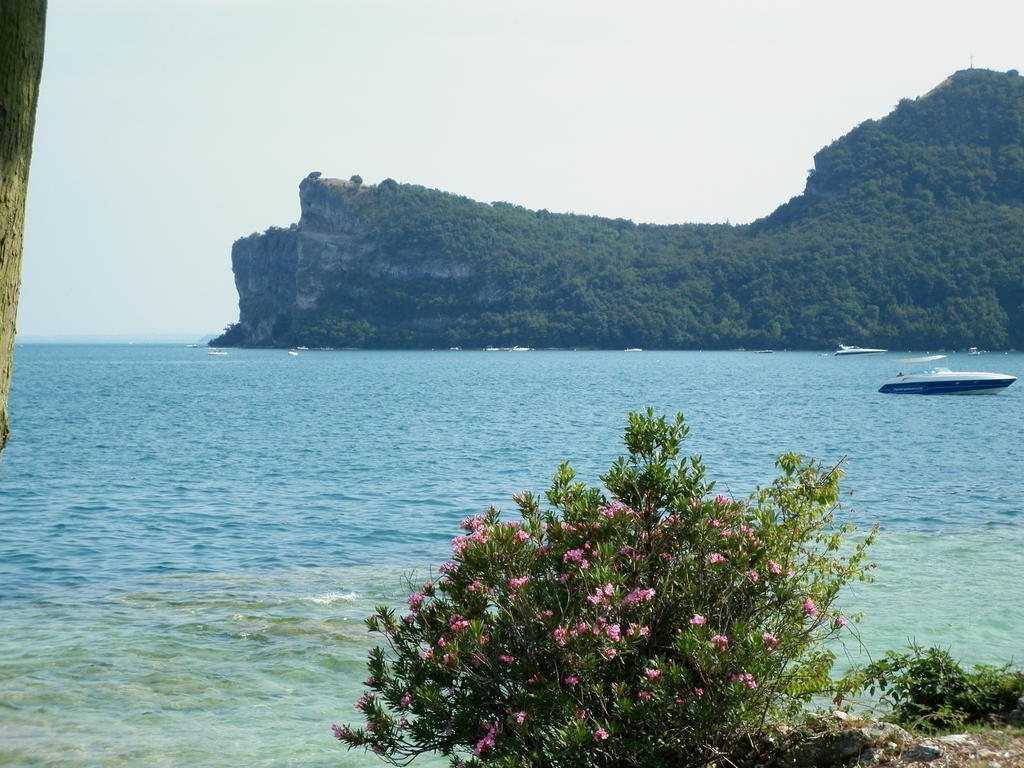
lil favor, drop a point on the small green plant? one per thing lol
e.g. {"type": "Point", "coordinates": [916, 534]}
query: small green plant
{"type": "Point", "coordinates": [656, 626]}
{"type": "Point", "coordinates": [928, 690]}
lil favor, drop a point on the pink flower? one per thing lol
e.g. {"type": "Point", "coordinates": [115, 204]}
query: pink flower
{"type": "Point", "coordinates": [698, 691]}
{"type": "Point", "coordinates": [746, 678]}
{"type": "Point", "coordinates": [518, 581]}
{"type": "Point", "coordinates": [652, 674]}
{"type": "Point", "coordinates": [697, 620]}
{"type": "Point", "coordinates": [576, 556]}
{"type": "Point", "coordinates": [560, 636]}
{"type": "Point", "coordinates": [754, 576]}
{"type": "Point", "coordinates": [770, 641]}
{"type": "Point", "coordinates": [522, 535]}
{"type": "Point", "coordinates": [720, 641]}
{"type": "Point", "coordinates": [519, 716]}
{"type": "Point", "coordinates": [487, 741]}
{"type": "Point", "coordinates": [572, 680]}
{"type": "Point", "coordinates": [643, 695]}
{"type": "Point", "coordinates": [415, 600]}
{"type": "Point", "coordinates": [600, 734]}
{"type": "Point", "coordinates": [506, 658]}
{"type": "Point", "coordinates": [406, 700]}
{"type": "Point", "coordinates": [810, 608]}
{"type": "Point", "coordinates": [614, 632]}
{"type": "Point", "coordinates": [774, 567]}
{"type": "Point", "coordinates": [842, 621]}
{"type": "Point", "coordinates": [457, 623]}
{"type": "Point", "coordinates": [340, 731]}
{"type": "Point", "coordinates": [716, 557]}
{"type": "Point", "coordinates": [638, 596]}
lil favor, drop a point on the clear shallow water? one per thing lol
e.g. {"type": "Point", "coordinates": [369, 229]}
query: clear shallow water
{"type": "Point", "coordinates": [188, 544]}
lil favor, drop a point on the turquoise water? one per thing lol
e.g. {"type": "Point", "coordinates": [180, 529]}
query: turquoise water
{"type": "Point", "coordinates": [188, 543]}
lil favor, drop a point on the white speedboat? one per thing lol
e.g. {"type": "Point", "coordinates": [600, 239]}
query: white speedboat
{"type": "Point", "coordinates": [852, 350]}
{"type": "Point", "coordinates": [942, 381]}
{"type": "Point", "coordinates": [293, 352]}
{"type": "Point", "coordinates": [217, 352]}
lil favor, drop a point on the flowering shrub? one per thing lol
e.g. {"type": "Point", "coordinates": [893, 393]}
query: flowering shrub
{"type": "Point", "coordinates": [655, 626]}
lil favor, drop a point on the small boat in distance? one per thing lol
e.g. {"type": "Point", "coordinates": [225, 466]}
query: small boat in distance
{"type": "Point", "coordinates": [217, 352]}
{"type": "Point", "coordinates": [942, 381]}
{"type": "Point", "coordinates": [293, 352]}
{"type": "Point", "coordinates": [974, 351]}
{"type": "Point", "coordinates": [633, 349]}
{"type": "Point", "coordinates": [854, 350]}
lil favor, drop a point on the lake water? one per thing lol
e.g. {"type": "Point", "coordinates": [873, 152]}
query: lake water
{"type": "Point", "coordinates": [189, 543]}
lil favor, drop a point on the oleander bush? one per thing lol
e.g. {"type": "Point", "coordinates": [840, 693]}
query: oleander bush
{"type": "Point", "coordinates": [652, 625]}
{"type": "Point", "coordinates": [927, 689]}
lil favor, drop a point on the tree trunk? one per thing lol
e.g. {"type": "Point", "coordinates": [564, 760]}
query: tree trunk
{"type": "Point", "coordinates": [22, 29]}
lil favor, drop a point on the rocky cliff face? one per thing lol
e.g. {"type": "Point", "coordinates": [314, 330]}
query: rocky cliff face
{"type": "Point", "coordinates": [333, 264]}
{"type": "Point", "coordinates": [285, 271]}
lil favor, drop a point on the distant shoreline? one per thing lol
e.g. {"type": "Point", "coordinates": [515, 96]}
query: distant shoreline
{"type": "Point", "coordinates": [122, 338]}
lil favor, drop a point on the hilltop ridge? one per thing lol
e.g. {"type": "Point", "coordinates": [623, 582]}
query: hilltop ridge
{"type": "Point", "coordinates": [909, 233]}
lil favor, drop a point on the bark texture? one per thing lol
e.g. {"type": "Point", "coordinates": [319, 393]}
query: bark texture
{"type": "Point", "coordinates": [22, 32]}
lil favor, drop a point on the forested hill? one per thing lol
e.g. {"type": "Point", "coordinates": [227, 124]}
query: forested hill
{"type": "Point", "coordinates": [909, 235]}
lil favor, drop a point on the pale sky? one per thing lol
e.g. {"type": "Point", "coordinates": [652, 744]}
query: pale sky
{"type": "Point", "coordinates": [167, 129]}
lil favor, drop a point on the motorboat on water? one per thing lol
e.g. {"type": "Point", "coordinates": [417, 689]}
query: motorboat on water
{"type": "Point", "coordinates": [217, 352]}
{"type": "Point", "coordinates": [942, 381]}
{"type": "Point", "coordinates": [854, 350]}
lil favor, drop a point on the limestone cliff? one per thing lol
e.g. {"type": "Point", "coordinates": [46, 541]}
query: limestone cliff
{"type": "Point", "coordinates": [291, 282]}
{"type": "Point", "coordinates": [284, 271]}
